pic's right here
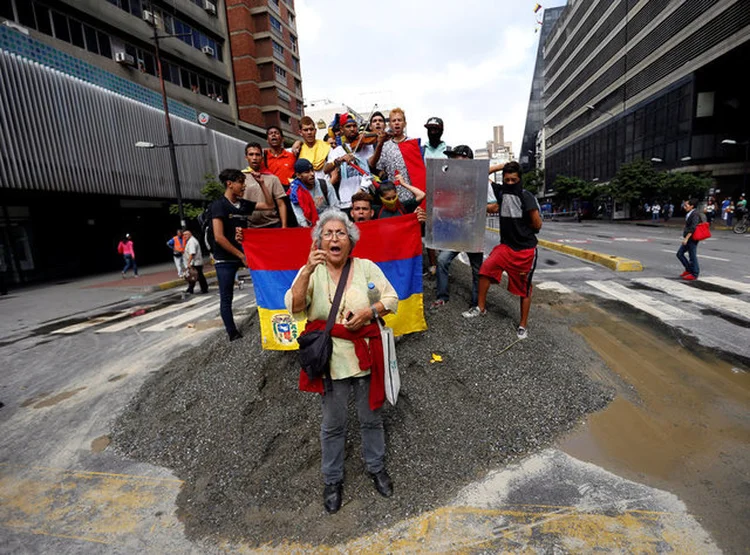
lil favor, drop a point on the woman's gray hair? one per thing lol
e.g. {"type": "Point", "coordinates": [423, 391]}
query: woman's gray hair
{"type": "Point", "coordinates": [335, 214]}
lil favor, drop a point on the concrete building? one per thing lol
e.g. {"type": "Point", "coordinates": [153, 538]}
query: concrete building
{"type": "Point", "coordinates": [78, 89]}
{"type": "Point", "coordinates": [628, 80]}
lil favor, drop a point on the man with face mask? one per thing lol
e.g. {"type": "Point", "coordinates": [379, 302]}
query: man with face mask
{"type": "Point", "coordinates": [516, 254]}
{"type": "Point", "coordinates": [435, 147]}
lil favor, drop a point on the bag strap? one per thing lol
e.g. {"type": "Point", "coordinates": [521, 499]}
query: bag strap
{"type": "Point", "coordinates": [337, 298]}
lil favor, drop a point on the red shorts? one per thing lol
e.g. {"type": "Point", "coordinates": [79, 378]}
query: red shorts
{"type": "Point", "coordinates": [519, 265]}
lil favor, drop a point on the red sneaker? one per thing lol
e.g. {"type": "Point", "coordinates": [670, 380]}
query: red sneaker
{"type": "Point", "coordinates": [683, 274]}
{"type": "Point", "coordinates": [689, 277]}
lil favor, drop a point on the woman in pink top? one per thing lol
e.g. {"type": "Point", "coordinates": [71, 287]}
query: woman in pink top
{"type": "Point", "coordinates": [125, 248]}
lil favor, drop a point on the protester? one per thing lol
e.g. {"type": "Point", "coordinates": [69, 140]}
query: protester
{"type": "Point", "coordinates": [313, 149]}
{"type": "Point", "coordinates": [255, 182]}
{"type": "Point", "coordinates": [125, 248]}
{"type": "Point", "coordinates": [516, 254]}
{"type": "Point", "coordinates": [435, 147]}
{"type": "Point", "coordinates": [356, 363]}
{"type": "Point", "coordinates": [446, 257]}
{"type": "Point", "coordinates": [309, 196]}
{"type": "Point", "coordinates": [177, 244]}
{"type": "Point", "coordinates": [391, 205]}
{"type": "Point", "coordinates": [194, 259]}
{"type": "Point", "coordinates": [388, 156]}
{"type": "Point", "coordinates": [228, 213]}
{"type": "Point", "coordinates": [689, 245]}
{"type": "Point", "coordinates": [276, 159]}
{"type": "Point", "coordinates": [352, 160]}
{"type": "Point", "coordinates": [362, 207]}
{"type": "Point", "coordinates": [377, 122]}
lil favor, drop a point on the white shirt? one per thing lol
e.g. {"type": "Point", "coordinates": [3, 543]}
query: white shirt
{"type": "Point", "coordinates": [193, 247]}
{"type": "Point", "coordinates": [351, 180]}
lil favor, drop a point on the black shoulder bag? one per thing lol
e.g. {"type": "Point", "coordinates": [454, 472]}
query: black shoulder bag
{"type": "Point", "coordinates": [315, 347]}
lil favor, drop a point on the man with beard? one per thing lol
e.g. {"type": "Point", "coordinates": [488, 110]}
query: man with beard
{"type": "Point", "coordinates": [516, 254]}
{"type": "Point", "coordinates": [352, 160]}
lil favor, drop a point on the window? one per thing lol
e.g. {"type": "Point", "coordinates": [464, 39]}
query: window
{"type": "Point", "coordinates": [293, 42]}
{"type": "Point", "coordinates": [291, 20]}
{"type": "Point", "coordinates": [149, 63]}
{"type": "Point", "coordinates": [278, 50]}
{"type": "Point", "coordinates": [61, 26]}
{"type": "Point", "coordinates": [76, 33]}
{"type": "Point", "coordinates": [105, 47]}
{"type": "Point", "coordinates": [275, 24]}
{"type": "Point", "coordinates": [283, 95]}
{"type": "Point", "coordinates": [6, 10]}
{"type": "Point", "coordinates": [43, 23]}
{"type": "Point", "coordinates": [295, 64]}
{"type": "Point", "coordinates": [25, 14]}
{"type": "Point", "coordinates": [91, 42]}
{"type": "Point", "coordinates": [280, 71]}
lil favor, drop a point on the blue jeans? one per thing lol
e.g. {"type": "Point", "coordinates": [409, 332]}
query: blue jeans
{"type": "Point", "coordinates": [335, 406]}
{"type": "Point", "coordinates": [692, 251]}
{"type": "Point", "coordinates": [443, 266]}
{"type": "Point", "coordinates": [130, 263]}
{"type": "Point", "coordinates": [225, 272]}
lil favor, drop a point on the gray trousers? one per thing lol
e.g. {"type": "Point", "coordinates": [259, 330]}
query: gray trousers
{"type": "Point", "coordinates": [333, 428]}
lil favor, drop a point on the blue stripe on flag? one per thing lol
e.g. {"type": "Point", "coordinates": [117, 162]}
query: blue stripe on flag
{"type": "Point", "coordinates": [405, 275]}
{"type": "Point", "coordinates": [270, 287]}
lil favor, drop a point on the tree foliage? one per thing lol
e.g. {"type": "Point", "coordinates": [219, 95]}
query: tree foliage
{"type": "Point", "coordinates": [569, 188]}
{"type": "Point", "coordinates": [634, 181]}
{"type": "Point", "coordinates": [682, 186]}
{"type": "Point", "coordinates": [533, 180]}
{"type": "Point", "coordinates": [212, 190]}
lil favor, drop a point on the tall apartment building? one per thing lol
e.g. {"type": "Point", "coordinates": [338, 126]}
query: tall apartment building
{"type": "Point", "coordinates": [265, 57]}
{"type": "Point", "coordinates": [656, 79]}
{"type": "Point", "coordinates": [78, 89]}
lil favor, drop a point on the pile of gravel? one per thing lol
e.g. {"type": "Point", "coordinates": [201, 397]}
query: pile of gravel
{"type": "Point", "coordinates": [230, 422]}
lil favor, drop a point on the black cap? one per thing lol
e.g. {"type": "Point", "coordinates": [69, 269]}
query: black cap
{"type": "Point", "coordinates": [460, 150]}
{"type": "Point", "coordinates": [434, 122]}
{"type": "Point", "coordinates": [302, 165]}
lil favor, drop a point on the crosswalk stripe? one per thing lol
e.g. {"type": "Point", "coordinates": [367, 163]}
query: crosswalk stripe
{"type": "Point", "coordinates": [148, 316]}
{"type": "Point", "coordinates": [701, 256]}
{"type": "Point", "coordinates": [93, 322]}
{"type": "Point", "coordinates": [708, 298]}
{"type": "Point", "coordinates": [659, 309]}
{"type": "Point", "coordinates": [562, 270]}
{"type": "Point", "coordinates": [188, 316]}
{"type": "Point", "coordinates": [553, 286]}
{"type": "Point", "coordinates": [728, 283]}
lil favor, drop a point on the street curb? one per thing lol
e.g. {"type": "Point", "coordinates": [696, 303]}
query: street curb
{"type": "Point", "coordinates": [608, 260]}
{"type": "Point", "coordinates": [176, 283]}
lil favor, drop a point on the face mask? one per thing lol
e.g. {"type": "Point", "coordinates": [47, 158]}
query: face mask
{"type": "Point", "coordinates": [390, 204]}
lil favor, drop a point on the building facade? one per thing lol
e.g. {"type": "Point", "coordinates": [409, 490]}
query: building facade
{"type": "Point", "coordinates": [657, 79]}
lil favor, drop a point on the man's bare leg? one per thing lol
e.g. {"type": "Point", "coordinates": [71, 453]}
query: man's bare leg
{"type": "Point", "coordinates": [525, 306]}
{"type": "Point", "coordinates": [484, 286]}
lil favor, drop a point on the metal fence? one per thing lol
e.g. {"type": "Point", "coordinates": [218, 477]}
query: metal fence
{"type": "Point", "coordinates": [60, 133]}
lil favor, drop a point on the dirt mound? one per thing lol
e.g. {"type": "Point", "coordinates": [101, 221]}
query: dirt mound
{"type": "Point", "coordinates": [229, 420]}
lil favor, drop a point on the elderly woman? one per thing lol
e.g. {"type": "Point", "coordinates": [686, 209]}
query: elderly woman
{"type": "Point", "coordinates": [356, 363]}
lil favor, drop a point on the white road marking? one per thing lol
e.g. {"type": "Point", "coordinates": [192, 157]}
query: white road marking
{"type": "Point", "coordinates": [136, 320]}
{"type": "Point", "coordinates": [188, 316]}
{"type": "Point", "coordinates": [555, 233]}
{"type": "Point", "coordinates": [93, 322]}
{"type": "Point", "coordinates": [553, 286]}
{"type": "Point", "coordinates": [636, 299]}
{"type": "Point", "coordinates": [574, 241]}
{"type": "Point", "coordinates": [608, 241]}
{"type": "Point", "coordinates": [728, 283]}
{"type": "Point", "coordinates": [708, 298]}
{"type": "Point", "coordinates": [701, 256]}
{"type": "Point", "coordinates": [562, 270]}
{"type": "Point", "coordinates": [631, 239]}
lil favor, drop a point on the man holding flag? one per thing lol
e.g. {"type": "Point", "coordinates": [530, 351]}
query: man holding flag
{"type": "Point", "coordinates": [352, 159]}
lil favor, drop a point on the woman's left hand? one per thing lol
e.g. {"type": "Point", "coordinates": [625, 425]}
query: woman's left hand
{"type": "Point", "coordinates": [358, 320]}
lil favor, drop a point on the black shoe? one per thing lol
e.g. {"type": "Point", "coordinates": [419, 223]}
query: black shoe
{"type": "Point", "coordinates": [332, 497]}
{"type": "Point", "coordinates": [234, 336]}
{"type": "Point", "coordinates": [383, 483]}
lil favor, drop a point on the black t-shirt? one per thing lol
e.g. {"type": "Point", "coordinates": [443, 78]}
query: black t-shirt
{"type": "Point", "coordinates": [515, 222]}
{"type": "Point", "coordinates": [233, 217]}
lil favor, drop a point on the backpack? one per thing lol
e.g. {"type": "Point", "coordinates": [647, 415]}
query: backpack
{"type": "Point", "coordinates": [206, 228]}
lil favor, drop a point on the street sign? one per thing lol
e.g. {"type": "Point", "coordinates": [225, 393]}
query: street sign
{"type": "Point", "coordinates": [203, 118]}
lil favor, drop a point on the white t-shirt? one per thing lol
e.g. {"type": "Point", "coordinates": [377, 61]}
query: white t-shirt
{"type": "Point", "coordinates": [193, 247]}
{"type": "Point", "coordinates": [351, 180]}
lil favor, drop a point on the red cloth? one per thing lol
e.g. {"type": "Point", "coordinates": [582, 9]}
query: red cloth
{"type": "Point", "coordinates": [370, 357]}
{"type": "Point", "coordinates": [307, 203]}
{"type": "Point", "coordinates": [411, 151]}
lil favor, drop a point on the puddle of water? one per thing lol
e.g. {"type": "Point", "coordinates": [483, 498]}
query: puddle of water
{"type": "Point", "coordinates": [680, 420]}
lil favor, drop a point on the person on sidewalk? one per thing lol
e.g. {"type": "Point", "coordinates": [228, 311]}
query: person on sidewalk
{"type": "Point", "coordinates": [194, 259]}
{"type": "Point", "coordinates": [177, 244]}
{"type": "Point", "coordinates": [228, 213]}
{"type": "Point", "coordinates": [689, 245]}
{"type": "Point", "coordinates": [516, 254]}
{"type": "Point", "coordinates": [655, 210]}
{"type": "Point", "coordinates": [125, 248]}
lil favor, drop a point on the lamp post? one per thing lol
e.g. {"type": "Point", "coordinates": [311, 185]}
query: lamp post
{"type": "Point", "coordinates": [746, 144]}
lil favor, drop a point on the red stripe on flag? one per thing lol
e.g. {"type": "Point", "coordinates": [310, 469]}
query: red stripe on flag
{"type": "Point", "coordinates": [389, 239]}
{"type": "Point", "coordinates": [277, 249]}
{"type": "Point", "coordinates": [412, 154]}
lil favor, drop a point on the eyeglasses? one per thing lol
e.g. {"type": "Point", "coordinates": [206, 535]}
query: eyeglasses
{"type": "Point", "coordinates": [340, 234]}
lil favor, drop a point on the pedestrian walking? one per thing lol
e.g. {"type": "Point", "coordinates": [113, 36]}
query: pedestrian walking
{"type": "Point", "coordinates": [655, 210]}
{"type": "Point", "coordinates": [516, 254]}
{"type": "Point", "coordinates": [729, 212]}
{"type": "Point", "coordinates": [177, 244]}
{"type": "Point", "coordinates": [194, 261]}
{"type": "Point", "coordinates": [125, 248]}
{"type": "Point", "coordinates": [689, 245]}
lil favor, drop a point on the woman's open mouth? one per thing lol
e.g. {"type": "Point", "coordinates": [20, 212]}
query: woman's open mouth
{"type": "Point", "coordinates": [334, 249]}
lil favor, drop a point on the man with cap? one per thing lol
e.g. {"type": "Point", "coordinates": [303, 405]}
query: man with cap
{"type": "Point", "coordinates": [445, 258]}
{"type": "Point", "coordinates": [309, 196]}
{"type": "Point", "coordinates": [435, 147]}
{"type": "Point", "coordinates": [352, 160]}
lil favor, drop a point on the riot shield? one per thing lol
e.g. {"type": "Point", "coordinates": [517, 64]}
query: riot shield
{"type": "Point", "coordinates": [456, 204]}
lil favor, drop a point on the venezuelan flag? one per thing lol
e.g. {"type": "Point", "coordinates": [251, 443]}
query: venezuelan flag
{"type": "Point", "coordinates": [276, 255]}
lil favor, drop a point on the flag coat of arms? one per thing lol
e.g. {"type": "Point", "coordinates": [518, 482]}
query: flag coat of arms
{"type": "Point", "coordinates": [276, 255]}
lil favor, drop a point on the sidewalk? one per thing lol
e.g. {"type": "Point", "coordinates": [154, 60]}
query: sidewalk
{"type": "Point", "coordinates": [150, 279]}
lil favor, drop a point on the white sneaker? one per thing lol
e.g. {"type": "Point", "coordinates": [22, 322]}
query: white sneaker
{"type": "Point", "coordinates": [473, 312]}
{"type": "Point", "coordinates": [522, 333]}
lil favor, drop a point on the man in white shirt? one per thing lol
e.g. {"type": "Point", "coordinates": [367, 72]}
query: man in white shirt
{"type": "Point", "coordinates": [352, 159]}
{"type": "Point", "coordinates": [194, 259]}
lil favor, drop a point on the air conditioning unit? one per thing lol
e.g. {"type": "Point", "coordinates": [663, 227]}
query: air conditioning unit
{"type": "Point", "coordinates": [210, 7]}
{"type": "Point", "coordinates": [207, 50]}
{"type": "Point", "coordinates": [124, 58]}
{"type": "Point", "coordinates": [148, 17]}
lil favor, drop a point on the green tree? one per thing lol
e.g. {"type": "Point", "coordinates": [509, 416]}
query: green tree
{"type": "Point", "coordinates": [635, 181]}
{"type": "Point", "coordinates": [569, 188]}
{"type": "Point", "coordinates": [211, 191]}
{"type": "Point", "coordinates": [533, 180]}
{"type": "Point", "coordinates": [681, 186]}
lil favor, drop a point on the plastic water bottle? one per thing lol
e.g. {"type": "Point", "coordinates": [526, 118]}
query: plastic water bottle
{"type": "Point", "coordinates": [373, 293]}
